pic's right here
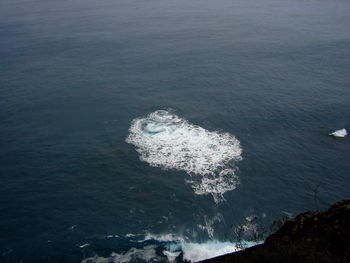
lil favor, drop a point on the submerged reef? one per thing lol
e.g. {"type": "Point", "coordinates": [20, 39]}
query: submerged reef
{"type": "Point", "coordinates": [313, 236]}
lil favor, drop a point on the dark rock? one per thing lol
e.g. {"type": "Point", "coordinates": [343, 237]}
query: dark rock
{"type": "Point", "coordinates": [314, 236]}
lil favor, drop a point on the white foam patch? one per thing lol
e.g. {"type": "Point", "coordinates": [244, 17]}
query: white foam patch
{"type": "Point", "coordinates": [84, 245]}
{"type": "Point", "coordinates": [165, 140]}
{"type": "Point", "coordinates": [195, 252]}
{"type": "Point", "coordinates": [339, 133]}
{"type": "Point", "coordinates": [208, 225]}
{"type": "Point", "coordinates": [173, 246]}
{"type": "Point", "coordinates": [148, 254]}
{"type": "Point", "coordinates": [162, 237]}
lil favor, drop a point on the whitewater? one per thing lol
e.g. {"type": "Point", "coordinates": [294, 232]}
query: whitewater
{"type": "Point", "coordinates": [165, 140]}
{"type": "Point", "coordinates": [167, 248]}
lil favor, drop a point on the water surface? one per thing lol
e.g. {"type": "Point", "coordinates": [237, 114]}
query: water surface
{"type": "Point", "coordinates": [273, 74]}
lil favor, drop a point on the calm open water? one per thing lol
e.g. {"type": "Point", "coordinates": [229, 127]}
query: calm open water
{"type": "Point", "coordinates": [74, 74]}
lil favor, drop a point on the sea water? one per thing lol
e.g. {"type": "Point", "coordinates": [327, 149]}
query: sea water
{"type": "Point", "coordinates": [149, 131]}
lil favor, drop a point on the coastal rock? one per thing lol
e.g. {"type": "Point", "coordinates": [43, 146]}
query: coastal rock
{"type": "Point", "coordinates": [312, 236]}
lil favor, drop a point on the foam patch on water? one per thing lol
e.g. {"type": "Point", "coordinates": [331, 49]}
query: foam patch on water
{"type": "Point", "coordinates": [165, 140]}
{"type": "Point", "coordinates": [194, 252]}
{"type": "Point", "coordinates": [165, 248]}
{"type": "Point", "coordinates": [84, 245]}
{"type": "Point", "coordinates": [339, 133]}
{"type": "Point", "coordinates": [208, 224]}
{"type": "Point", "coordinates": [147, 254]}
{"type": "Point", "coordinates": [163, 237]}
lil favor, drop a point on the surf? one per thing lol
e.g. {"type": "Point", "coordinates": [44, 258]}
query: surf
{"type": "Point", "coordinates": [169, 248]}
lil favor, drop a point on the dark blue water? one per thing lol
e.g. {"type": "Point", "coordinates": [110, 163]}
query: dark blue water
{"type": "Point", "coordinates": [74, 74]}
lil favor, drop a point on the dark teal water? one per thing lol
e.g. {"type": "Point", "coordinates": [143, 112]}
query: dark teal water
{"type": "Point", "coordinates": [74, 74]}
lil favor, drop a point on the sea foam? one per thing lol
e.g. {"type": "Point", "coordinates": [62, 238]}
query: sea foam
{"type": "Point", "coordinates": [339, 133]}
{"type": "Point", "coordinates": [145, 254]}
{"type": "Point", "coordinates": [193, 251]}
{"type": "Point", "coordinates": [165, 140]}
{"type": "Point", "coordinates": [172, 247]}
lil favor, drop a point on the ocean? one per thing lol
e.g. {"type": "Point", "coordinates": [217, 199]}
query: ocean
{"type": "Point", "coordinates": [153, 130]}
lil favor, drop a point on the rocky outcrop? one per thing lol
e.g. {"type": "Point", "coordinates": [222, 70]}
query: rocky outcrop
{"type": "Point", "coordinates": [313, 236]}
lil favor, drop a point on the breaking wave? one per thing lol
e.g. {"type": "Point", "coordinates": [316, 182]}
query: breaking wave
{"type": "Point", "coordinates": [168, 248]}
{"type": "Point", "coordinates": [176, 246]}
{"type": "Point", "coordinates": [165, 140]}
